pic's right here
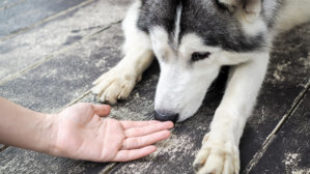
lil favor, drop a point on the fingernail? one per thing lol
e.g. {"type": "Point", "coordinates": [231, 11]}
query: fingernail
{"type": "Point", "coordinates": [107, 106]}
{"type": "Point", "coordinates": [171, 124]}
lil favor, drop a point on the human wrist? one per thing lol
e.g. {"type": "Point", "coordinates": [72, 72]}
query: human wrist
{"type": "Point", "coordinates": [48, 134]}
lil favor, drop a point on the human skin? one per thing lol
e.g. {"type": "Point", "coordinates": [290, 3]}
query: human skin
{"type": "Point", "coordinates": [80, 132]}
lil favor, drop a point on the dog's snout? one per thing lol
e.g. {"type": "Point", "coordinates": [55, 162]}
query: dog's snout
{"type": "Point", "coordinates": [166, 116]}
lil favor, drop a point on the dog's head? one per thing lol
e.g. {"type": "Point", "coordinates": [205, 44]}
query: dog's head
{"type": "Point", "coordinates": [192, 40]}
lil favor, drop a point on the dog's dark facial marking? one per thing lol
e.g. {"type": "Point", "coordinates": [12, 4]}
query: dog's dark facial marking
{"type": "Point", "coordinates": [217, 28]}
{"type": "Point", "coordinates": [223, 7]}
{"type": "Point", "coordinates": [196, 56]}
{"type": "Point", "coordinates": [158, 13]}
{"type": "Point", "coordinates": [210, 20]}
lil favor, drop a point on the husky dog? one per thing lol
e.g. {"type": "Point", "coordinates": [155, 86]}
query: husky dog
{"type": "Point", "coordinates": [192, 40]}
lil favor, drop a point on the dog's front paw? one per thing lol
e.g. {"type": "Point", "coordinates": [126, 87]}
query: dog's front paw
{"type": "Point", "coordinates": [217, 157]}
{"type": "Point", "coordinates": [114, 85]}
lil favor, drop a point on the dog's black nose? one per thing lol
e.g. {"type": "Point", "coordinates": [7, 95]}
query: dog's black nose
{"type": "Point", "coordinates": [166, 116]}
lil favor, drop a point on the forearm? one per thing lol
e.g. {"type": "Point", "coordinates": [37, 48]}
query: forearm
{"type": "Point", "coordinates": [24, 128]}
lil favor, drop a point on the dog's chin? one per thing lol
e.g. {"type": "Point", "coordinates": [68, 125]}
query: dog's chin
{"type": "Point", "coordinates": [183, 118]}
{"type": "Point", "coordinates": [191, 112]}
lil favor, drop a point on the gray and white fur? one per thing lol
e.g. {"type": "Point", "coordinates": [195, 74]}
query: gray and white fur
{"type": "Point", "coordinates": [192, 40]}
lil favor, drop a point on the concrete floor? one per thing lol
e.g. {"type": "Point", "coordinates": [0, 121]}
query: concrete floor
{"type": "Point", "coordinates": [51, 51]}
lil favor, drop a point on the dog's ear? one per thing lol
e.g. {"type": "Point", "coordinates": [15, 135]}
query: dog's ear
{"type": "Point", "coordinates": [250, 9]}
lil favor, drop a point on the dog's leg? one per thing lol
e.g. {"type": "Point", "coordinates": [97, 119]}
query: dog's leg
{"type": "Point", "coordinates": [219, 153]}
{"type": "Point", "coordinates": [120, 80]}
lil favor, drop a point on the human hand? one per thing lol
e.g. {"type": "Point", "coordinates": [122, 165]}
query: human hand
{"type": "Point", "coordinates": [80, 133]}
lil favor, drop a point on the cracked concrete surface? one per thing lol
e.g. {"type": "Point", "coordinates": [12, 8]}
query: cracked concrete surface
{"type": "Point", "coordinates": [47, 66]}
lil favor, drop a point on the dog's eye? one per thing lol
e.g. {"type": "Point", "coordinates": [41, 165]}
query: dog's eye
{"type": "Point", "coordinates": [196, 56]}
{"type": "Point", "coordinates": [224, 7]}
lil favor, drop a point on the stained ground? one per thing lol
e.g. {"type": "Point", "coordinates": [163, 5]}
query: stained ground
{"type": "Point", "coordinates": [51, 51]}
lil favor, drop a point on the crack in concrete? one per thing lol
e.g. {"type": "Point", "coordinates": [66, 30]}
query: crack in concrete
{"type": "Point", "coordinates": [109, 169]}
{"type": "Point", "coordinates": [49, 57]}
{"type": "Point", "coordinates": [2, 148]}
{"type": "Point", "coordinates": [77, 99]}
{"type": "Point", "coordinates": [273, 134]}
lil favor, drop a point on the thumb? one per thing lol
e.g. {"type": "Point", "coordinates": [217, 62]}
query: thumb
{"type": "Point", "coordinates": [102, 110]}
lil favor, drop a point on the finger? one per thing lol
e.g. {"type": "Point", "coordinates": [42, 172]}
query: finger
{"type": "Point", "coordinates": [138, 142]}
{"type": "Point", "coordinates": [129, 155]}
{"type": "Point", "coordinates": [129, 124]}
{"type": "Point", "coordinates": [102, 110]}
{"type": "Point", "coordinates": [145, 130]}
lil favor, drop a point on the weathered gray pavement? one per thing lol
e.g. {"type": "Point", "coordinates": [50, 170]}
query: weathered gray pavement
{"type": "Point", "coordinates": [51, 51]}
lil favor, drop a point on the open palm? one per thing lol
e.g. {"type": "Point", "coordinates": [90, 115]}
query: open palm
{"type": "Point", "coordinates": [82, 134]}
